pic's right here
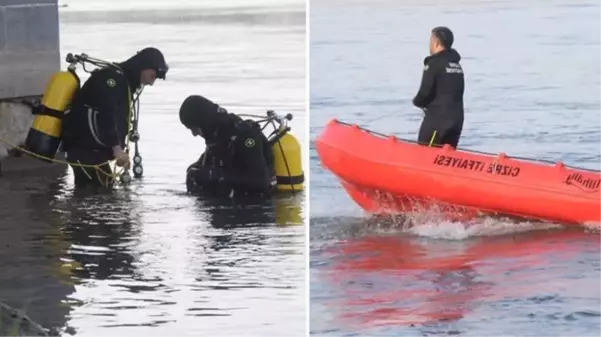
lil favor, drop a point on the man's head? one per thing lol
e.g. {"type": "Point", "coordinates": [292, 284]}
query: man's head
{"type": "Point", "coordinates": [199, 114]}
{"type": "Point", "coordinates": [146, 66]}
{"type": "Point", "coordinates": [441, 38]}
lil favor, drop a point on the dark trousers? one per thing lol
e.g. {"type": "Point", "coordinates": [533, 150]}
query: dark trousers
{"type": "Point", "coordinates": [89, 176]}
{"type": "Point", "coordinates": [438, 133]}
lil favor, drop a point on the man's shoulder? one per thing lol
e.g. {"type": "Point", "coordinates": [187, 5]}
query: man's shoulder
{"type": "Point", "coordinates": [446, 63]}
{"type": "Point", "coordinates": [109, 76]}
{"type": "Point", "coordinates": [248, 134]}
{"type": "Point", "coordinates": [247, 126]}
{"type": "Point", "coordinates": [453, 67]}
{"type": "Point", "coordinates": [434, 62]}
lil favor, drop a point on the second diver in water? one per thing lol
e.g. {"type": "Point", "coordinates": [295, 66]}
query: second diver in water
{"type": "Point", "coordinates": [238, 159]}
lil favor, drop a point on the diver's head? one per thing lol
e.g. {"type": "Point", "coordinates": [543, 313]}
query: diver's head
{"type": "Point", "coordinates": [441, 38]}
{"type": "Point", "coordinates": [200, 114]}
{"type": "Point", "coordinates": [145, 67]}
{"type": "Point", "coordinates": [152, 65]}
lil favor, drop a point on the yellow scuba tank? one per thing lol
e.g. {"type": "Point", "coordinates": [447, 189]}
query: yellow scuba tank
{"type": "Point", "coordinates": [44, 135]}
{"type": "Point", "coordinates": [287, 162]}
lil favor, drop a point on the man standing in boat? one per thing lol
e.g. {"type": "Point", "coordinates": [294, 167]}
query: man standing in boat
{"type": "Point", "coordinates": [441, 92]}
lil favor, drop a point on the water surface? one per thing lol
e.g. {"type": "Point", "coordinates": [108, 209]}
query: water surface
{"type": "Point", "coordinates": [149, 259]}
{"type": "Point", "coordinates": [532, 90]}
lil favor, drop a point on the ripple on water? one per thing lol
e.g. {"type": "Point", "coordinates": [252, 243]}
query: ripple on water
{"type": "Point", "coordinates": [149, 259]}
{"type": "Point", "coordinates": [377, 277]}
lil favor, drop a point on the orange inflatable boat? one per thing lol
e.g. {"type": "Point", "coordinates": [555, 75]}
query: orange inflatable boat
{"type": "Point", "coordinates": [384, 174]}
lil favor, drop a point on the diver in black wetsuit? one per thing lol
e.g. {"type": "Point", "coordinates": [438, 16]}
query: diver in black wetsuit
{"type": "Point", "coordinates": [238, 159]}
{"type": "Point", "coordinates": [441, 92]}
{"type": "Point", "coordinates": [96, 128]}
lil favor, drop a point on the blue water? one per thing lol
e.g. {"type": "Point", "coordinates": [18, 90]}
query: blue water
{"type": "Point", "coordinates": [532, 90]}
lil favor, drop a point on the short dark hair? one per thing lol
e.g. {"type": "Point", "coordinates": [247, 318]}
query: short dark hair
{"type": "Point", "coordinates": [444, 35]}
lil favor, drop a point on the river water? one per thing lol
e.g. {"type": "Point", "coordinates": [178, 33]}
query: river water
{"type": "Point", "coordinates": [532, 89]}
{"type": "Point", "coordinates": [149, 259]}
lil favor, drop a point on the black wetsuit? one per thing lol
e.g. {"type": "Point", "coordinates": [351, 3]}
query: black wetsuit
{"type": "Point", "coordinates": [441, 96]}
{"type": "Point", "coordinates": [98, 121]}
{"type": "Point", "coordinates": [238, 160]}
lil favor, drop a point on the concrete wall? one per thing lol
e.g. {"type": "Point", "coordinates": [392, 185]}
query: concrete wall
{"type": "Point", "coordinates": [29, 46]}
{"type": "Point", "coordinates": [29, 55]}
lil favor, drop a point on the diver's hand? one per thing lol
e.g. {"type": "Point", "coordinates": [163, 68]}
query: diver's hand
{"type": "Point", "coordinates": [121, 158]}
{"type": "Point", "coordinates": [193, 167]}
{"type": "Point", "coordinates": [205, 175]}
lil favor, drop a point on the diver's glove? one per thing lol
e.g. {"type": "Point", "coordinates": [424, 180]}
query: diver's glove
{"type": "Point", "coordinates": [205, 175]}
{"type": "Point", "coordinates": [197, 164]}
{"type": "Point", "coordinates": [193, 167]}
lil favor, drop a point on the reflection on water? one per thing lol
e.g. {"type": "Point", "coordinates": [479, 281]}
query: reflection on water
{"type": "Point", "coordinates": [471, 278]}
{"type": "Point", "coordinates": [89, 261]}
{"type": "Point", "coordinates": [33, 278]}
{"type": "Point", "coordinates": [390, 282]}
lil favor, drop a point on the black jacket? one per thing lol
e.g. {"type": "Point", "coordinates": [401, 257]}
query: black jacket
{"type": "Point", "coordinates": [238, 157]}
{"type": "Point", "coordinates": [442, 87]}
{"type": "Point", "coordinates": [100, 112]}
